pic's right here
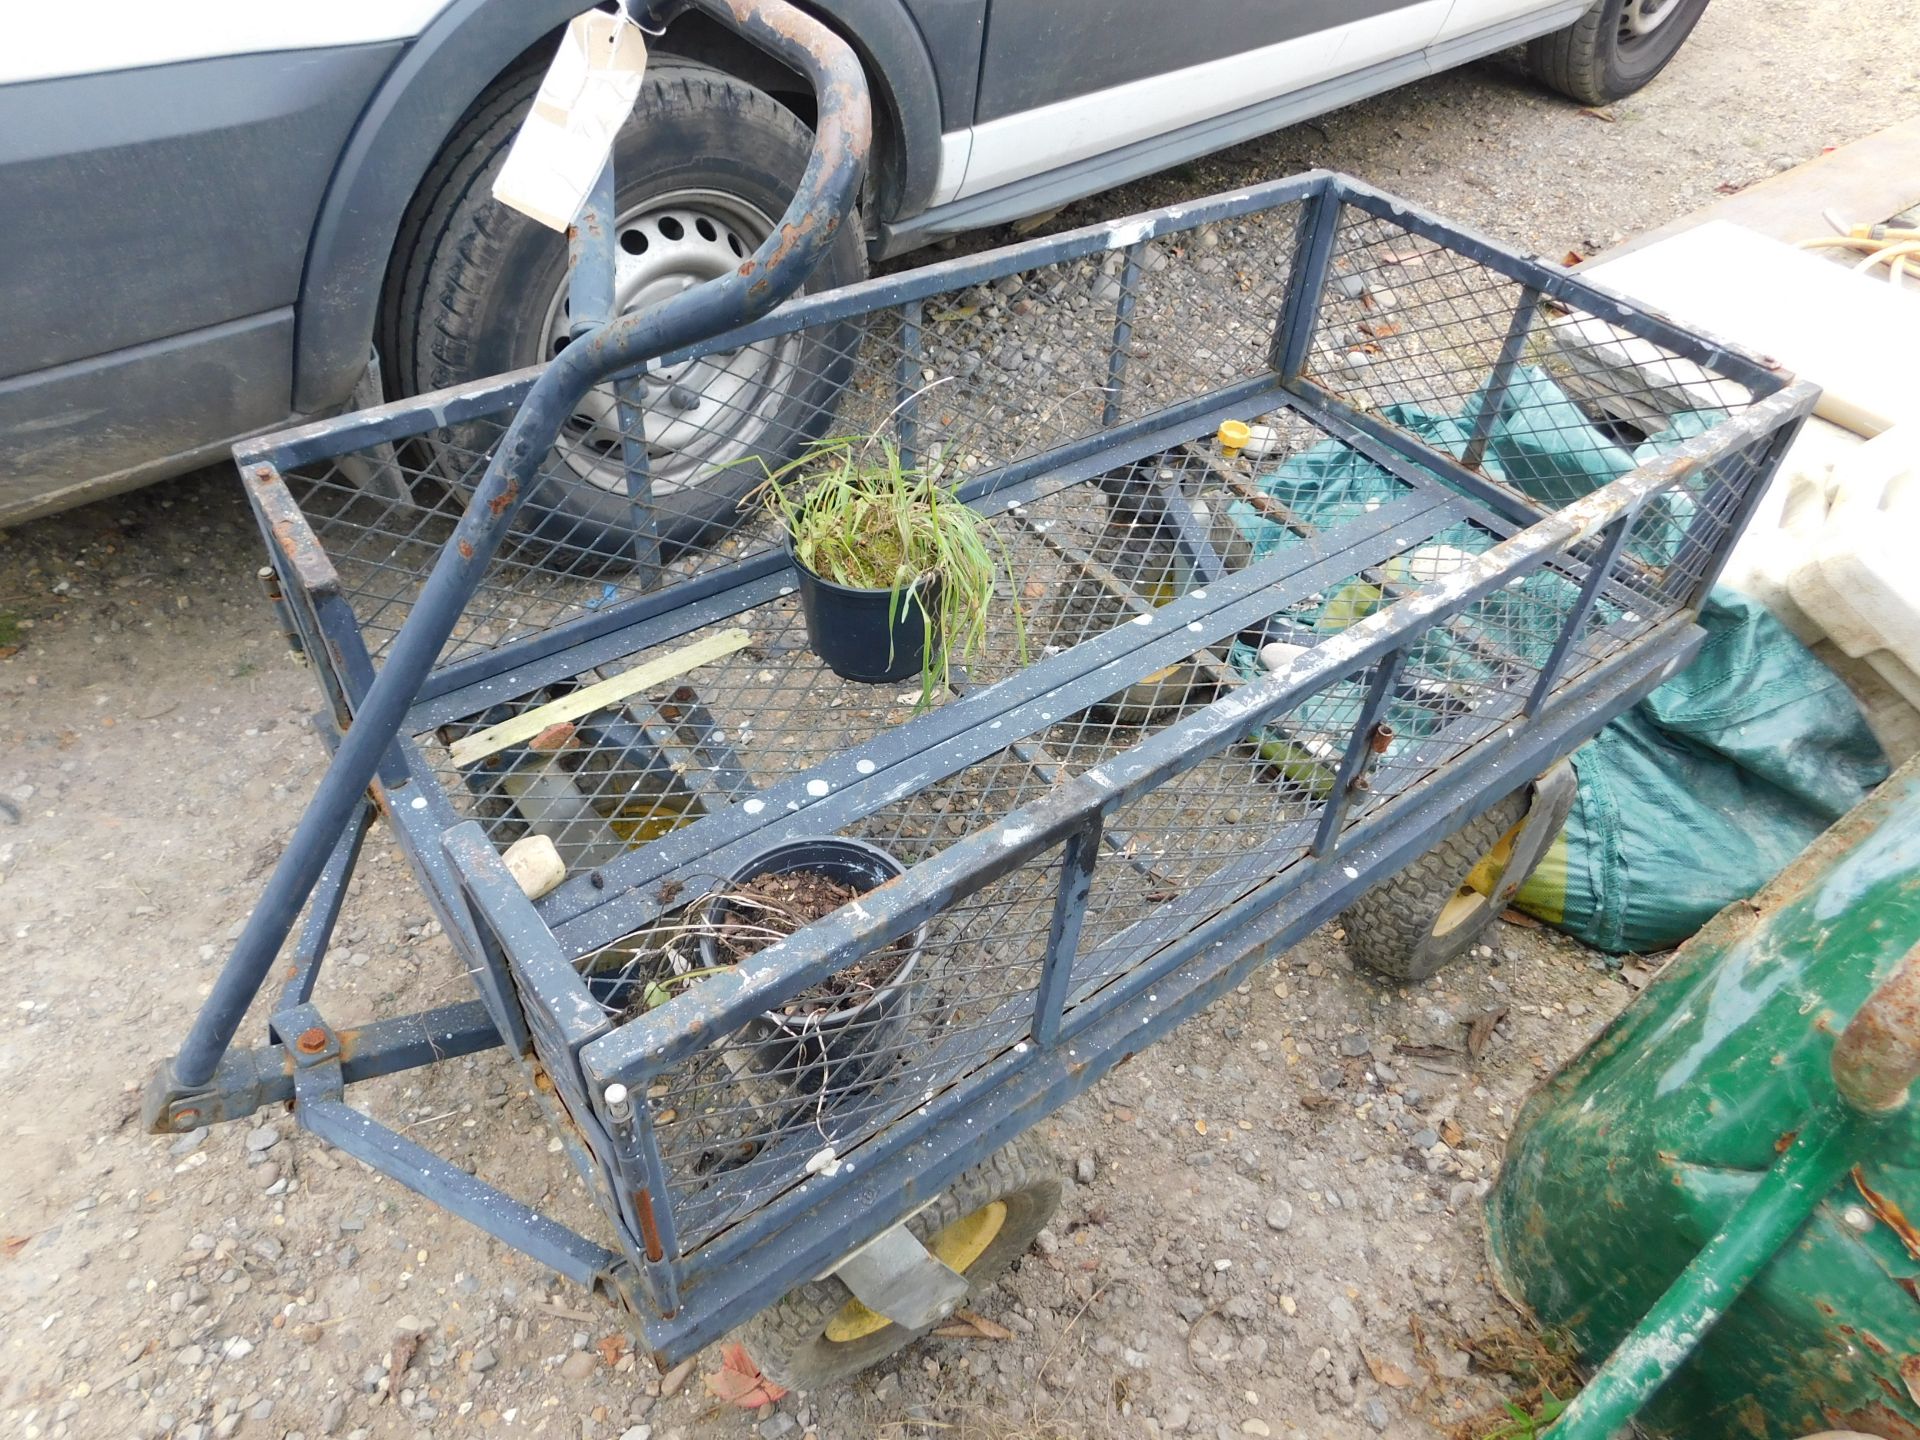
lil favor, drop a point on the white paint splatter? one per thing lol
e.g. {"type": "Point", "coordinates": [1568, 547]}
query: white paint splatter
{"type": "Point", "coordinates": [754, 807]}
{"type": "Point", "coordinates": [865, 767]}
{"type": "Point", "coordinates": [817, 788]}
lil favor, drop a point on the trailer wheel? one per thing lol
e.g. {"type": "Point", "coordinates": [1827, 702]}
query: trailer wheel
{"type": "Point", "coordinates": [818, 1333]}
{"type": "Point", "coordinates": [1434, 911]}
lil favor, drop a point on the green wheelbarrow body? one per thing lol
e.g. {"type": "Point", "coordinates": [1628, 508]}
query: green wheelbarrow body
{"type": "Point", "coordinates": [1714, 1194]}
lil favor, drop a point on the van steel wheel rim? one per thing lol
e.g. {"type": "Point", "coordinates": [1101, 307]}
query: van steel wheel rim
{"type": "Point", "coordinates": [1640, 18]}
{"type": "Point", "coordinates": [701, 413]}
{"type": "Point", "coordinates": [958, 1246]}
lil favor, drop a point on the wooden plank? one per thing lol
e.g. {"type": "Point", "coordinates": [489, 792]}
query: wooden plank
{"type": "Point", "coordinates": [1874, 178]}
{"type": "Point", "coordinates": [521, 728]}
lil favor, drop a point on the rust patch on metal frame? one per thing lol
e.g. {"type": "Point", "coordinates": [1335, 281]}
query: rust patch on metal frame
{"type": "Point", "coordinates": [1878, 1054]}
{"type": "Point", "coordinates": [1887, 1213]}
{"type": "Point", "coordinates": [649, 1225]}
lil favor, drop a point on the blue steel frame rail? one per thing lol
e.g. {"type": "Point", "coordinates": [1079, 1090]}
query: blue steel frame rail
{"type": "Point", "coordinates": [822, 202]}
{"type": "Point", "coordinates": [1078, 1036]}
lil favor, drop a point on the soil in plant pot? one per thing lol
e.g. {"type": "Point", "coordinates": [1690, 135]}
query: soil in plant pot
{"type": "Point", "coordinates": [790, 901]}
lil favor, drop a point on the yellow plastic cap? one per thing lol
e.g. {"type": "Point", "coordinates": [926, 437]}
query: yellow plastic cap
{"type": "Point", "coordinates": [1233, 436]}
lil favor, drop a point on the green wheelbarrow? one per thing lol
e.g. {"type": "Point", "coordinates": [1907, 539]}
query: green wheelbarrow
{"type": "Point", "coordinates": [1714, 1194]}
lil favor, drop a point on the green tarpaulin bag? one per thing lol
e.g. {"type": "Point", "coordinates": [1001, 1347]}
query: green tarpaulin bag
{"type": "Point", "coordinates": [1705, 790]}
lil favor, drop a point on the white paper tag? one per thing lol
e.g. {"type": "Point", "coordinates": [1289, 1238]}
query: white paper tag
{"type": "Point", "coordinates": [564, 142]}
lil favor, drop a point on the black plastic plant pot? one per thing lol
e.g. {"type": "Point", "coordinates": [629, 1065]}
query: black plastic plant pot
{"type": "Point", "coordinates": [838, 1050]}
{"type": "Point", "coordinates": [867, 635]}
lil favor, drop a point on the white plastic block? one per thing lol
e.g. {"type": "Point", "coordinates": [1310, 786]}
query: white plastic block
{"type": "Point", "coordinates": [1860, 583]}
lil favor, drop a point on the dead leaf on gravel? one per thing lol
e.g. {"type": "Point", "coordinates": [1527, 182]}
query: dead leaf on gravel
{"type": "Point", "coordinates": [739, 1381]}
{"type": "Point", "coordinates": [13, 1245]}
{"type": "Point", "coordinates": [398, 1360]}
{"type": "Point", "coordinates": [1451, 1132]}
{"type": "Point", "coordinates": [1598, 112]}
{"type": "Point", "coordinates": [1425, 1052]}
{"type": "Point", "coordinates": [611, 1347]}
{"type": "Point", "coordinates": [1480, 1030]}
{"type": "Point", "coordinates": [1636, 974]}
{"type": "Point", "coordinates": [1385, 1371]}
{"type": "Point", "coordinates": [1522, 919]}
{"type": "Point", "coordinates": [966, 1325]}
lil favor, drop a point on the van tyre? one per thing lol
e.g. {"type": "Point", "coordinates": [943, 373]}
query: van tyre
{"type": "Point", "coordinates": [1614, 49]}
{"type": "Point", "coordinates": [704, 166]}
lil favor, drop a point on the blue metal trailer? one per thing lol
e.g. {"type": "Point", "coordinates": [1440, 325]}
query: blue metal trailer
{"type": "Point", "coordinates": [1251, 681]}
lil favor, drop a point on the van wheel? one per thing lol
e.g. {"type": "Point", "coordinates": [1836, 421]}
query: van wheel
{"type": "Point", "coordinates": [704, 167]}
{"type": "Point", "coordinates": [1614, 49]}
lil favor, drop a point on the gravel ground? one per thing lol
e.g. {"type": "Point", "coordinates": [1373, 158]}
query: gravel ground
{"type": "Point", "coordinates": [1264, 1214]}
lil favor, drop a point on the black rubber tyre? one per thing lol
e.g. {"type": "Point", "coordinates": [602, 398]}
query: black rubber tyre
{"type": "Point", "coordinates": [789, 1340]}
{"type": "Point", "coordinates": [469, 287]}
{"type": "Point", "coordinates": [1395, 929]}
{"type": "Point", "coordinates": [1597, 60]}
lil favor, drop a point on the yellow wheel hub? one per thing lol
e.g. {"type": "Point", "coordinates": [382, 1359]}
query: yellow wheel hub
{"type": "Point", "coordinates": [1479, 885]}
{"type": "Point", "coordinates": [958, 1247]}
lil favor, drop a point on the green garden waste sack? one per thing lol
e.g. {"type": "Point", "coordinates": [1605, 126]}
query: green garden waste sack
{"type": "Point", "coordinates": [1697, 796]}
{"type": "Point", "coordinates": [1705, 790]}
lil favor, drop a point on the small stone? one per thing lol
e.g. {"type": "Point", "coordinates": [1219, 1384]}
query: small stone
{"type": "Point", "coordinates": [778, 1425]}
{"type": "Point", "coordinates": [1355, 1046]}
{"type": "Point", "coordinates": [577, 1366]}
{"type": "Point", "coordinates": [643, 1432]}
{"type": "Point", "coordinates": [188, 1143]}
{"type": "Point", "coordinates": [238, 1348]}
{"type": "Point", "coordinates": [191, 1356]}
{"type": "Point", "coordinates": [671, 1382]}
{"type": "Point", "coordinates": [1255, 1427]}
{"type": "Point", "coordinates": [1425, 1139]}
{"type": "Point", "coordinates": [1377, 1415]}
{"type": "Point", "coordinates": [267, 1175]}
{"type": "Point", "coordinates": [1352, 286]}
{"type": "Point", "coordinates": [333, 1415]}
{"type": "Point", "coordinates": [887, 1387]}
{"type": "Point", "coordinates": [484, 1359]}
{"type": "Point", "coordinates": [263, 1139]}
{"type": "Point", "coordinates": [1280, 1215]}
{"type": "Point", "coordinates": [1084, 1170]}
{"type": "Point", "coordinates": [261, 1410]}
